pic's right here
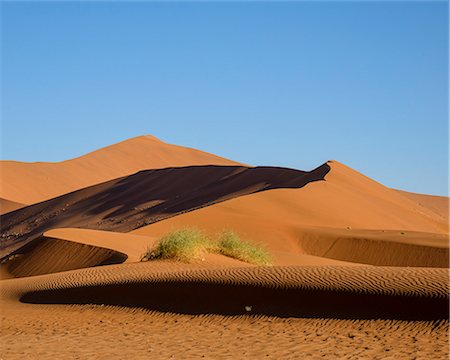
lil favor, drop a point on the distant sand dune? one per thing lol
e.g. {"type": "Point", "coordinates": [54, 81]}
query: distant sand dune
{"type": "Point", "coordinates": [30, 183]}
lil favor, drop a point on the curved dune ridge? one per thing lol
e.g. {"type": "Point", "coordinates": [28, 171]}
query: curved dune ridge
{"type": "Point", "coordinates": [68, 249]}
{"type": "Point", "coordinates": [30, 183]}
{"type": "Point", "coordinates": [127, 203]}
{"type": "Point", "coordinates": [333, 291]}
{"type": "Point", "coordinates": [385, 248]}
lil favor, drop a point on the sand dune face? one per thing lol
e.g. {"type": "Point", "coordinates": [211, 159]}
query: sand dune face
{"type": "Point", "coordinates": [343, 292]}
{"type": "Point", "coordinates": [347, 211]}
{"type": "Point", "coordinates": [8, 206]}
{"type": "Point", "coordinates": [30, 183]}
{"type": "Point", "coordinates": [68, 249]}
{"type": "Point", "coordinates": [127, 203]}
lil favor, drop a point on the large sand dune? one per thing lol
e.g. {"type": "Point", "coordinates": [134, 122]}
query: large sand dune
{"type": "Point", "coordinates": [127, 203]}
{"type": "Point", "coordinates": [360, 269]}
{"type": "Point", "coordinates": [347, 217]}
{"type": "Point", "coordinates": [30, 183]}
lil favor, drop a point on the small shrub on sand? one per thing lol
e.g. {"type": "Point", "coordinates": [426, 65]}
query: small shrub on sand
{"type": "Point", "coordinates": [183, 245]}
{"type": "Point", "coordinates": [231, 245]}
{"type": "Point", "coordinates": [188, 245]}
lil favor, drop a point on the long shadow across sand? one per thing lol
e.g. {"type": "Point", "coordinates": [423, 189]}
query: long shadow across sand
{"type": "Point", "coordinates": [196, 297]}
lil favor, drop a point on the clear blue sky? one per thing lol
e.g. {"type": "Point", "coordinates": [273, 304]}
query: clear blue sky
{"type": "Point", "coordinates": [290, 84]}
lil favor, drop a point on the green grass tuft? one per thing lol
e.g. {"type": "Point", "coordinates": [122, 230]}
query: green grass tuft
{"type": "Point", "coordinates": [230, 244]}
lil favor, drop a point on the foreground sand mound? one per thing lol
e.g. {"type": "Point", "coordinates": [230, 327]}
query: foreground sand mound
{"type": "Point", "coordinates": [30, 183]}
{"type": "Point", "coordinates": [333, 291]}
{"type": "Point", "coordinates": [127, 203]}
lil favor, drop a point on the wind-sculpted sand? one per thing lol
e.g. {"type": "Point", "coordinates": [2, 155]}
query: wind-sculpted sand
{"type": "Point", "coordinates": [360, 271]}
{"type": "Point", "coordinates": [347, 292]}
{"type": "Point", "coordinates": [146, 197]}
{"type": "Point", "coordinates": [68, 249]}
{"type": "Point", "coordinates": [360, 310]}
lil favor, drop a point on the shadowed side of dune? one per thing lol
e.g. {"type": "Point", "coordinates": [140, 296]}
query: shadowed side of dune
{"type": "Point", "coordinates": [146, 197]}
{"type": "Point", "coordinates": [50, 255]}
{"type": "Point", "coordinates": [201, 297]}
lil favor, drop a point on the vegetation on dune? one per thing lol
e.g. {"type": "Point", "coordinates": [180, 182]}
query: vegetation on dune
{"type": "Point", "coordinates": [230, 244]}
{"type": "Point", "coordinates": [183, 245]}
{"type": "Point", "coordinates": [190, 244]}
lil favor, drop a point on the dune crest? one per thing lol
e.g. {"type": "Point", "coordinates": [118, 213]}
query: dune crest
{"type": "Point", "coordinates": [29, 183]}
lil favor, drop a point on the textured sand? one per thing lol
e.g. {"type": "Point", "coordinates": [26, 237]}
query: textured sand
{"type": "Point", "coordinates": [30, 183]}
{"type": "Point", "coordinates": [322, 227]}
{"type": "Point", "coordinates": [148, 324]}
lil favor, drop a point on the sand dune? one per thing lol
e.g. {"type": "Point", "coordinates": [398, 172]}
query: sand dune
{"type": "Point", "coordinates": [343, 292]}
{"type": "Point", "coordinates": [333, 221]}
{"type": "Point", "coordinates": [30, 183]}
{"type": "Point", "coordinates": [127, 203]}
{"type": "Point", "coordinates": [139, 307]}
{"type": "Point", "coordinates": [8, 206]}
{"type": "Point", "coordinates": [68, 249]}
{"type": "Point", "coordinates": [366, 222]}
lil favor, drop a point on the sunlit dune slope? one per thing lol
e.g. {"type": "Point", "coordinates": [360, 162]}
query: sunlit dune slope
{"type": "Point", "coordinates": [284, 220]}
{"type": "Point", "coordinates": [30, 183]}
{"type": "Point", "coordinates": [130, 202]}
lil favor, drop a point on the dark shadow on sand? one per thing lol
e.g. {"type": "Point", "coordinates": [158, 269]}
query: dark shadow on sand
{"type": "Point", "coordinates": [200, 297]}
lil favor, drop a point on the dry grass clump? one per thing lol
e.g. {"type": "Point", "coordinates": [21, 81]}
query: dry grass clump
{"type": "Point", "coordinates": [189, 244]}
{"type": "Point", "coordinates": [230, 244]}
{"type": "Point", "coordinates": [183, 245]}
